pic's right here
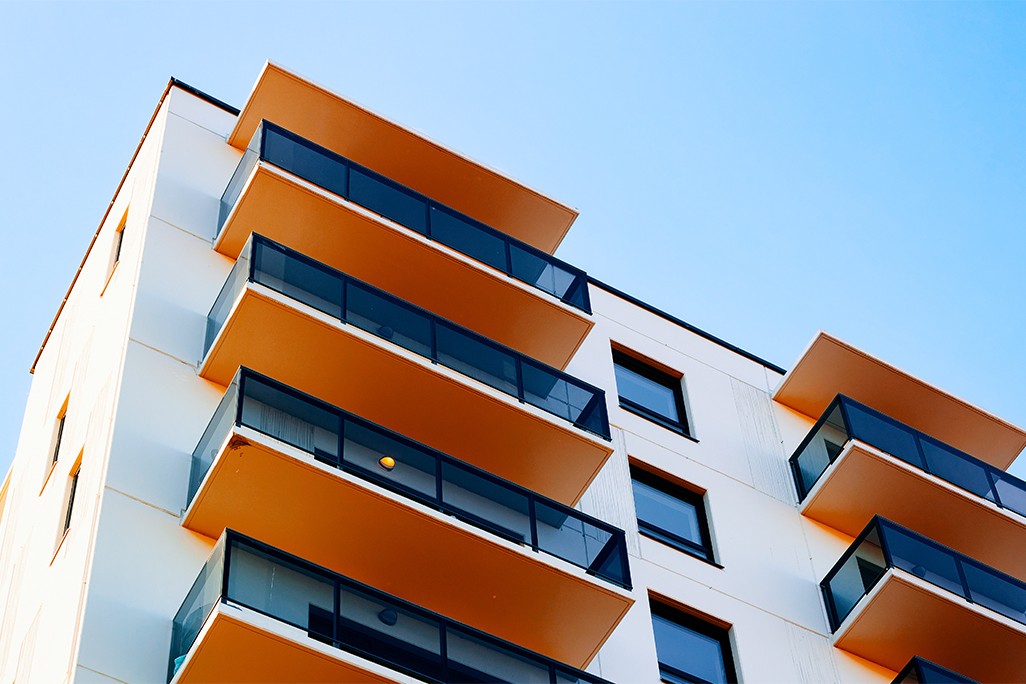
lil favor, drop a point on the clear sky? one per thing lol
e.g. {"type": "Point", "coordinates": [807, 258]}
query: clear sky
{"type": "Point", "coordinates": [761, 170]}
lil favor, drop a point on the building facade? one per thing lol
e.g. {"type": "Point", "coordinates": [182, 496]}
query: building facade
{"type": "Point", "coordinates": [321, 406]}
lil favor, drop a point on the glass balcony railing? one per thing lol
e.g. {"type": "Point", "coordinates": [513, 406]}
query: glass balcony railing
{"type": "Point", "coordinates": [417, 472]}
{"type": "Point", "coordinates": [409, 209]}
{"type": "Point", "coordinates": [846, 419]}
{"type": "Point", "coordinates": [353, 617]}
{"type": "Point", "coordinates": [368, 308]}
{"type": "Point", "coordinates": [884, 544]}
{"type": "Point", "coordinates": [920, 671]}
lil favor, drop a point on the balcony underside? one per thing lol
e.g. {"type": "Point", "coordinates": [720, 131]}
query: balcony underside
{"type": "Point", "coordinates": [266, 490]}
{"type": "Point", "coordinates": [904, 616]}
{"type": "Point", "coordinates": [404, 392]}
{"type": "Point", "coordinates": [830, 366]}
{"type": "Point", "coordinates": [239, 645]}
{"type": "Point", "coordinates": [403, 155]}
{"type": "Point", "coordinates": [340, 234]}
{"type": "Point", "coordinates": [864, 482]}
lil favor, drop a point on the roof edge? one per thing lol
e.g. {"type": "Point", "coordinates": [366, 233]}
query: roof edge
{"type": "Point", "coordinates": [687, 326]}
{"type": "Point", "coordinates": [172, 83]}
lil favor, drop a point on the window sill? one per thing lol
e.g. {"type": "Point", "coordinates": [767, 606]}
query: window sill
{"type": "Point", "coordinates": [49, 473]}
{"type": "Point", "coordinates": [658, 420]}
{"type": "Point", "coordinates": [60, 544]}
{"type": "Point", "coordinates": [109, 278]}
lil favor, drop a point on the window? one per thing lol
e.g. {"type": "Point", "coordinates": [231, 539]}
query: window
{"type": "Point", "coordinates": [71, 500]}
{"type": "Point", "coordinates": [690, 650]}
{"type": "Point", "coordinates": [671, 514]}
{"type": "Point", "coordinates": [650, 392]}
{"type": "Point", "coordinates": [119, 237]}
{"type": "Point", "coordinates": [59, 433]}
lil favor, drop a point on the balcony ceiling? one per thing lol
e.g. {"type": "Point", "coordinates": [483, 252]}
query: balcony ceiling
{"type": "Point", "coordinates": [404, 155]}
{"type": "Point", "coordinates": [864, 482]}
{"type": "Point", "coordinates": [337, 521]}
{"type": "Point", "coordinates": [342, 235]}
{"type": "Point", "coordinates": [830, 366]}
{"type": "Point", "coordinates": [404, 392]}
{"type": "Point", "coordinates": [904, 616]}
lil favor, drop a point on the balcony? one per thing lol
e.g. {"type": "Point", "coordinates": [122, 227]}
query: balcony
{"type": "Point", "coordinates": [856, 463]}
{"type": "Point", "coordinates": [477, 190]}
{"type": "Point", "coordinates": [344, 215]}
{"type": "Point", "coordinates": [274, 462]}
{"type": "Point", "coordinates": [895, 594]}
{"type": "Point", "coordinates": [830, 366]}
{"type": "Point", "coordinates": [350, 344]}
{"type": "Point", "coordinates": [919, 671]}
{"type": "Point", "coordinates": [257, 614]}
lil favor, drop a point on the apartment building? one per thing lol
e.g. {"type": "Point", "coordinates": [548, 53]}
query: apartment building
{"type": "Point", "coordinates": [321, 406]}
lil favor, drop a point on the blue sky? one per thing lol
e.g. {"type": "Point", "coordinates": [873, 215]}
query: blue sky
{"type": "Point", "coordinates": [761, 170]}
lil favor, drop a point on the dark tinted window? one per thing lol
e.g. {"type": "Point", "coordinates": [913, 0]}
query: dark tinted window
{"type": "Point", "coordinates": [671, 514]}
{"type": "Point", "coordinates": [690, 650]}
{"type": "Point", "coordinates": [650, 392]}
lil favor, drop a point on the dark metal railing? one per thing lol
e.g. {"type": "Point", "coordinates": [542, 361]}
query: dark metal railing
{"type": "Point", "coordinates": [884, 544]}
{"type": "Point", "coordinates": [351, 616]}
{"type": "Point", "coordinates": [408, 208]}
{"type": "Point", "coordinates": [354, 302]}
{"type": "Point", "coordinates": [922, 671]}
{"type": "Point", "coordinates": [413, 470]}
{"type": "Point", "coordinates": [846, 419]}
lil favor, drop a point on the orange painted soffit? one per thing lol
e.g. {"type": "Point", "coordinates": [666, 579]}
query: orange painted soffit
{"type": "Point", "coordinates": [343, 235]}
{"type": "Point", "coordinates": [271, 492]}
{"type": "Point", "coordinates": [830, 366]}
{"type": "Point", "coordinates": [405, 392]}
{"type": "Point", "coordinates": [905, 616]}
{"type": "Point", "coordinates": [405, 156]}
{"type": "Point", "coordinates": [864, 482]}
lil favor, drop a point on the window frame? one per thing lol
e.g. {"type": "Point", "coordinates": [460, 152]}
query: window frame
{"type": "Point", "coordinates": [718, 632]}
{"type": "Point", "coordinates": [660, 534]}
{"type": "Point", "coordinates": [672, 382]}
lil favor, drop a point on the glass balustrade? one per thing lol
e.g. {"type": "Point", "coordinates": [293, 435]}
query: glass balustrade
{"type": "Point", "coordinates": [408, 208]}
{"type": "Point", "coordinates": [417, 472]}
{"type": "Point", "coordinates": [846, 419]}
{"type": "Point", "coordinates": [335, 610]}
{"type": "Point", "coordinates": [921, 671]}
{"type": "Point", "coordinates": [884, 544]}
{"type": "Point", "coordinates": [368, 308]}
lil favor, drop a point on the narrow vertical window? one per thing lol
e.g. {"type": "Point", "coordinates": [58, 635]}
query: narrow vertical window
{"type": "Point", "coordinates": [59, 433]}
{"type": "Point", "coordinates": [119, 238]}
{"type": "Point", "coordinates": [71, 500]}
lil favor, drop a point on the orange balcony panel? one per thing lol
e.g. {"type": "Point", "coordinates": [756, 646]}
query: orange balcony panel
{"type": "Point", "coordinates": [830, 366]}
{"type": "Point", "coordinates": [338, 521]}
{"type": "Point", "coordinates": [905, 616]}
{"type": "Point", "coordinates": [342, 235]}
{"type": "Point", "coordinates": [404, 392]}
{"type": "Point", "coordinates": [232, 648]}
{"type": "Point", "coordinates": [864, 482]}
{"type": "Point", "coordinates": [404, 155]}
